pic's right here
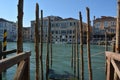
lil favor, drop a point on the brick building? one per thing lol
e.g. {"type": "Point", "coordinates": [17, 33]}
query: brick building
{"type": "Point", "coordinates": [100, 25]}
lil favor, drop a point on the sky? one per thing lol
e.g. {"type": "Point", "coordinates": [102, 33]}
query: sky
{"type": "Point", "coordinates": [62, 8]}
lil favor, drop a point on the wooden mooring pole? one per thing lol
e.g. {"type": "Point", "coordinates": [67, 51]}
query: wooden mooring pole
{"type": "Point", "coordinates": [106, 47]}
{"type": "Point", "coordinates": [20, 27]}
{"type": "Point", "coordinates": [37, 41]}
{"type": "Point", "coordinates": [113, 45]}
{"type": "Point", "coordinates": [41, 47]}
{"type": "Point", "coordinates": [5, 41]}
{"type": "Point", "coordinates": [117, 49]}
{"type": "Point", "coordinates": [74, 53]}
{"type": "Point", "coordinates": [72, 56]}
{"type": "Point", "coordinates": [81, 47]}
{"type": "Point", "coordinates": [20, 39]}
{"type": "Point", "coordinates": [118, 29]}
{"type": "Point", "coordinates": [48, 41]}
{"type": "Point", "coordinates": [88, 44]}
{"type": "Point", "coordinates": [77, 55]}
{"type": "Point", "coordinates": [51, 51]}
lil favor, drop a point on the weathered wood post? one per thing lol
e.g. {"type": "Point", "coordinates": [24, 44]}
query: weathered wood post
{"type": "Point", "coordinates": [88, 44]}
{"type": "Point", "coordinates": [51, 48]}
{"type": "Point", "coordinates": [106, 47]}
{"type": "Point", "coordinates": [113, 45]}
{"type": "Point", "coordinates": [4, 43]}
{"type": "Point", "coordinates": [0, 58]}
{"type": "Point", "coordinates": [20, 39]}
{"type": "Point", "coordinates": [41, 47]}
{"type": "Point", "coordinates": [20, 27]}
{"type": "Point", "coordinates": [74, 52]}
{"type": "Point", "coordinates": [117, 49]}
{"type": "Point", "coordinates": [26, 74]}
{"type": "Point", "coordinates": [77, 55]}
{"type": "Point", "coordinates": [118, 29]}
{"type": "Point", "coordinates": [81, 46]}
{"type": "Point", "coordinates": [72, 56]}
{"type": "Point", "coordinates": [48, 41]}
{"type": "Point", "coordinates": [37, 41]}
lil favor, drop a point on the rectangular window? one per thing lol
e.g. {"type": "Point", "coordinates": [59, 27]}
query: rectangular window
{"type": "Point", "coordinates": [97, 25]}
{"type": "Point", "coordinates": [63, 32]}
{"type": "Point", "coordinates": [106, 24]}
{"type": "Point", "coordinates": [70, 23]}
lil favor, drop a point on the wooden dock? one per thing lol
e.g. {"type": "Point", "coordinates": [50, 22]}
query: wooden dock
{"type": "Point", "coordinates": [113, 65]}
{"type": "Point", "coordinates": [113, 58]}
{"type": "Point", "coordinates": [23, 69]}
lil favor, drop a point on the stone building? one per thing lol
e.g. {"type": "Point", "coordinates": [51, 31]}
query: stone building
{"type": "Point", "coordinates": [63, 30]}
{"type": "Point", "coordinates": [11, 29]}
{"type": "Point", "coordinates": [100, 25]}
{"type": "Point", "coordinates": [26, 33]}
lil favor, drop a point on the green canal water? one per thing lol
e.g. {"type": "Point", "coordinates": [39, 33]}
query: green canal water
{"type": "Point", "coordinates": [62, 60]}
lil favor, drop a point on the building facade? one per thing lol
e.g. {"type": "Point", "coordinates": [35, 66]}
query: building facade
{"type": "Point", "coordinates": [63, 30]}
{"type": "Point", "coordinates": [26, 33]}
{"type": "Point", "coordinates": [11, 29]}
{"type": "Point", "coordinates": [104, 24]}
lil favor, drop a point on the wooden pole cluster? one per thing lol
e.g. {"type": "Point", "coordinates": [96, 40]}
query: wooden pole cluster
{"type": "Point", "coordinates": [48, 41]}
{"type": "Point", "coordinates": [81, 47]}
{"type": "Point", "coordinates": [20, 27]}
{"type": "Point", "coordinates": [41, 47]}
{"type": "Point", "coordinates": [37, 41]}
{"type": "Point", "coordinates": [88, 44]}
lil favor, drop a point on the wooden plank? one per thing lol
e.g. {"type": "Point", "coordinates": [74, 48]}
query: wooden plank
{"type": "Point", "coordinates": [116, 66]}
{"type": "Point", "coordinates": [27, 70]}
{"type": "Point", "coordinates": [8, 52]}
{"type": "Point", "coordinates": [20, 70]}
{"type": "Point", "coordinates": [8, 62]}
{"type": "Point", "coordinates": [110, 70]}
{"type": "Point", "coordinates": [113, 55]}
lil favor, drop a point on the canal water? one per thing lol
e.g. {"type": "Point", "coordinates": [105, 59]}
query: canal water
{"type": "Point", "coordinates": [62, 61]}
